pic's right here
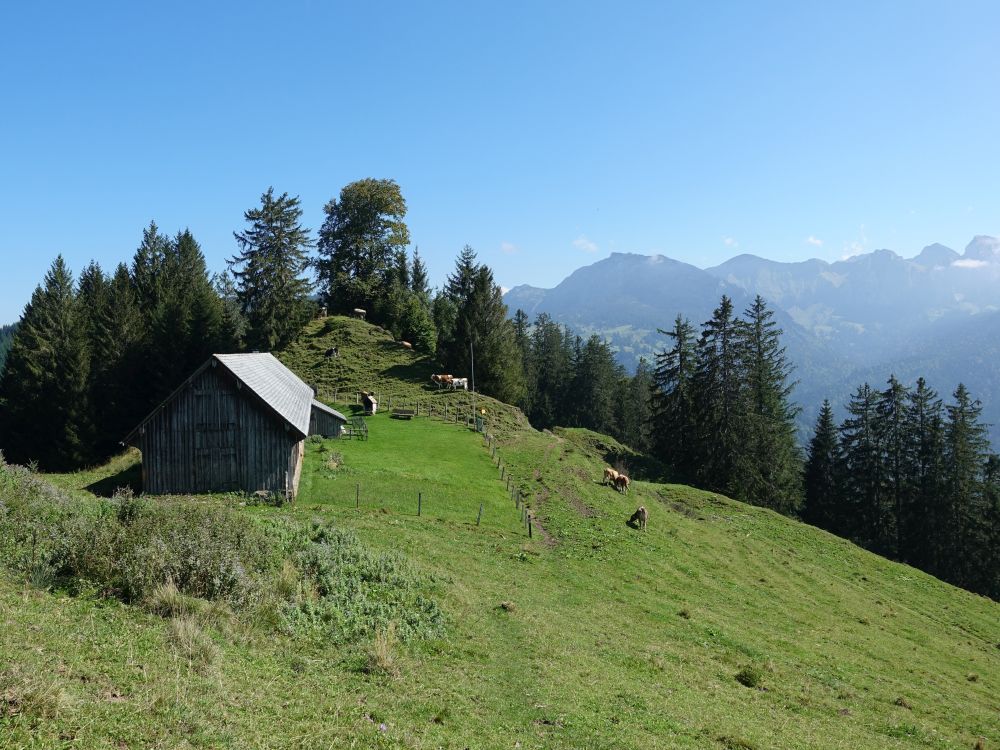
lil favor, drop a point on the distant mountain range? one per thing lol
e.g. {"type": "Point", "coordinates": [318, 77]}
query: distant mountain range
{"type": "Point", "coordinates": [863, 318]}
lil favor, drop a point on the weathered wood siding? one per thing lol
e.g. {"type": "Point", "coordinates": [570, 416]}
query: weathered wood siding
{"type": "Point", "coordinates": [321, 423]}
{"type": "Point", "coordinates": [215, 437]}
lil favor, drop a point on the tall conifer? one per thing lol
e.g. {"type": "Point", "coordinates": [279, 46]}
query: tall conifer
{"type": "Point", "coordinates": [44, 383]}
{"type": "Point", "coordinates": [269, 268]}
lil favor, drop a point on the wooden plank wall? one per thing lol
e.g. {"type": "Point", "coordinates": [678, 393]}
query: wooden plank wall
{"type": "Point", "coordinates": [214, 437]}
{"type": "Point", "coordinates": [321, 423]}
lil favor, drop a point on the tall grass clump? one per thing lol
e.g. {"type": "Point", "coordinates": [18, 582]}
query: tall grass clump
{"type": "Point", "coordinates": [357, 593]}
{"type": "Point", "coordinates": [178, 557]}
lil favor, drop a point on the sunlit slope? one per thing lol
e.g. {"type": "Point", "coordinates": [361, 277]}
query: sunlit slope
{"type": "Point", "coordinates": [591, 634]}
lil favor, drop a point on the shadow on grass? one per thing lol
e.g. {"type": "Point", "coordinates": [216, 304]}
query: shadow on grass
{"type": "Point", "coordinates": [638, 466]}
{"type": "Point", "coordinates": [130, 478]}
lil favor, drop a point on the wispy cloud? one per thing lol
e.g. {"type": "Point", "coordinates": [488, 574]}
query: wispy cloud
{"type": "Point", "coordinates": [969, 263]}
{"type": "Point", "coordinates": [504, 289]}
{"type": "Point", "coordinates": [856, 247]}
{"type": "Point", "coordinates": [814, 241]}
{"type": "Point", "coordinates": [730, 242]}
{"type": "Point", "coordinates": [582, 243]}
{"type": "Point", "coordinates": [508, 248]}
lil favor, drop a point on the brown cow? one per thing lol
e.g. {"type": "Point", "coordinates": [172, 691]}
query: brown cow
{"type": "Point", "coordinates": [621, 483]}
{"type": "Point", "coordinates": [441, 380]}
{"type": "Point", "coordinates": [639, 518]}
{"type": "Point", "coordinates": [610, 475]}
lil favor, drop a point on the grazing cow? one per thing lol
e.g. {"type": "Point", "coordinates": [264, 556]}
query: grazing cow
{"type": "Point", "coordinates": [621, 483]}
{"type": "Point", "coordinates": [406, 344]}
{"type": "Point", "coordinates": [441, 380]}
{"type": "Point", "coordinates": [331, 352]}
{"type": "Point", "coordinates": [639, 518]}
{"type": "Point", "coordinates": [357, 312]}
{"type": "Point", "coordinates": [462, 383]}
{"type": "Point", "coordinates": [610, 475]}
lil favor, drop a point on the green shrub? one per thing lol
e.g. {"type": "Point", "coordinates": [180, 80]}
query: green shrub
{"type": "Point", "coordinates": [750, 676]}
{"type": "Point", "coordinates": [211, 563]}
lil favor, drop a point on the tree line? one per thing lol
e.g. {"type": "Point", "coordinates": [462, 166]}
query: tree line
{"type": "Point", "coordinates": [911, 478]}
{"type": "Point", "coordinates": [92, 355]}
{"type": "Point", "coordinates": [721, 415]}
{"type": "Point", "coordinates": [904, 475]}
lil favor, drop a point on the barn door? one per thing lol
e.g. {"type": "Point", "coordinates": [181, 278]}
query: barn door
{"type": "Point", "coordinates": [215, 468]}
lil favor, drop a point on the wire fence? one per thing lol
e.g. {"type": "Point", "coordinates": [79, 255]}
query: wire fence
{"type": "Point", "coordinates": [461, 412]}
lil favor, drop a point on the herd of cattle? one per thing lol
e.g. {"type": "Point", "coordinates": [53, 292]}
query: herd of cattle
{"type": "Point", "coordinates": [450, 381]}
{"type": "Point", "coordinates": [621, 483]}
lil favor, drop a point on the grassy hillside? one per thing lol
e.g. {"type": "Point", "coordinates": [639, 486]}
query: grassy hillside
{"type": "Point", "coordinates": [721, 626]}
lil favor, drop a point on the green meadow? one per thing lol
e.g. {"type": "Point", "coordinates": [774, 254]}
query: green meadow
{"type": "Point", "coordinates": [720, 626]}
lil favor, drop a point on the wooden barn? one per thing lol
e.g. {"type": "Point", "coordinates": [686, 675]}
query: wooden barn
{"type": "Point", "coordinates": [239, 422]}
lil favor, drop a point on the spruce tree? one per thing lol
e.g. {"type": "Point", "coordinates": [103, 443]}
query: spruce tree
{"type": "Point", "coordinates": [634, 407]}
{"type": "Point", "coordinates": [234, 323]}
{"type": "Point", "coordinates": [44, 382]}
{"type": "Point", "coordinates": [965, 458]}
{"type": "Point", "coordinates": [119, 348]}
{"type": "Point", "coordinates": [892, 435]}
{"type": "Point", "coordinates": [186, 325]}
{"type": "Point", "coordinates": [460, 283]}
{"type": "Point", "coordinates": [419, 279]}
{"type": "Point", "coordinates": [481, 321]}
{"type": "Point", "coordinates": [597, 385]}
{"type": "Point", "coordinates": [720, 403]}
{"type": "Point", "coordinates": [93, 297]}
{"type": "Point", "coordinates": [771, 467]}
{"type": "Point", "coordinates": [988, 580]}
{"type": "Point", "coordinates": [552, 356]}
{"type": "Point", "coordinates": [925, 515]}
{"type": "Point", "coordinates": [273, 294]}
{"type": "Point", "coordinates": [674, 414]}
{"type": "Point", "coordinates": [822, 505]}
{"type": "Point", "coordinates": [862, 469]}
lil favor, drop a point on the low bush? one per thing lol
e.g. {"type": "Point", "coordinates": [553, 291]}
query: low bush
{"type": "Point", "coordinates": [178, 557]}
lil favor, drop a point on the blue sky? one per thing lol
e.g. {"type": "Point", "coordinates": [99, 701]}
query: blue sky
{"type": "Point", "coordinates": [546, 135]}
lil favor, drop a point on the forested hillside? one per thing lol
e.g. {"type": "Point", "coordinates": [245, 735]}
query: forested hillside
{"type": "Point", "coordinates": [352, 617]}
{"type": "Point", "coordinates": [715, 406]}
{"type": "Point", "coordinates": [863, 318]}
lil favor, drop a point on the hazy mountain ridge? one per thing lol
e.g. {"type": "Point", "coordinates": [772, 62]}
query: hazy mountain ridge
{"type": "Point", "coordinates": [936, 314]}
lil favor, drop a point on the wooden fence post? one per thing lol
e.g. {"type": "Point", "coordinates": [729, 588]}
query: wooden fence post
{"type": "Point", "coordinates": [357, 495]}
{"type": "Point", "coordinates": [480, 516]}
{"type": "Point", "coordinates": [420, 502]}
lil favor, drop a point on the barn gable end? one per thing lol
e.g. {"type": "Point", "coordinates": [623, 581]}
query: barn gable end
{"type": "Point", "coordinates": [237, 423]}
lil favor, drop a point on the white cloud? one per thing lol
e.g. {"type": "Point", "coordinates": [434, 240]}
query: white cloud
{"type": "Point", "coordinates": [855, 247]}
{"type": "Point", "coordinates": [582, 243]}
{"type": "Point", "coordinates": [508, 248]}
{"type": "Point", "coordinates": [730, 242]}
{"type": "Point", "coordinates": [504, 289]}
{"type": "Point", "coordinates": [969, 263]}
{"type": "Point", "coordinates": [814, 241]}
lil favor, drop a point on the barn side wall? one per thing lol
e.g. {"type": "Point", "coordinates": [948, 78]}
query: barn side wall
{"type": "Point", "coordinates": [321, 423]}
{"type": "Point", "coordinates": [215, 437]}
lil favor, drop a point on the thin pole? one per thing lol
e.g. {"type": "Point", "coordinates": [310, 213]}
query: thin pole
{"type": "Point", "coordinates": [472, 361]}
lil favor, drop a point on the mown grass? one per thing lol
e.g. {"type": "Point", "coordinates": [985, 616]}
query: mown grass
{"type": "Point", "coordinates": [721, 626]}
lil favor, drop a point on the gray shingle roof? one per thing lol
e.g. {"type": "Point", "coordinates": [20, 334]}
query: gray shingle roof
{"type": "Point", "coordinates": [323, 407]}
{"type": "Point", "coordinates": [274, 384]}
